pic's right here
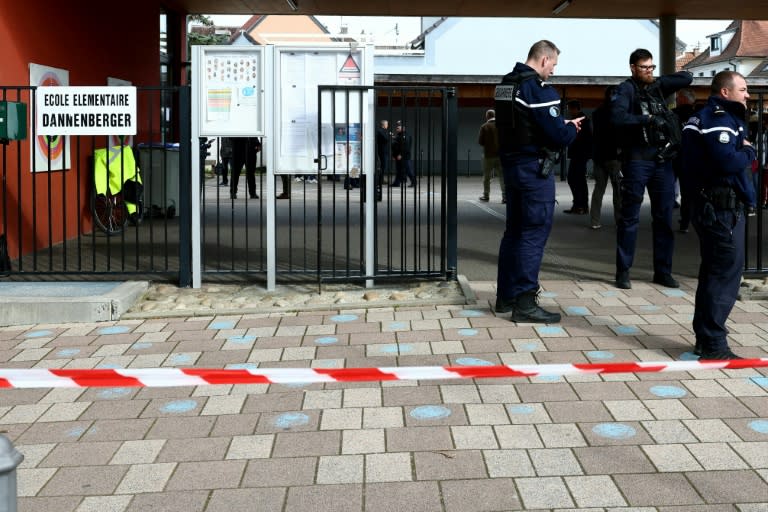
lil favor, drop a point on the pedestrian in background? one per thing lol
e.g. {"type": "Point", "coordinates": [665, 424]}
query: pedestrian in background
{"type": "Point", "coordinates": [488, 138]}
{"type": "Point", "coordinates": [579, 153]}
{"type": "Point", "coordinates": [401, 152]}
{"type": "Point", "coordinates": [605, 159]}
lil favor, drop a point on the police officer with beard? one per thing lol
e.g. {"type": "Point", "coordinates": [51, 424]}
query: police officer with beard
{"type": "Point", "coordinates": [649, 137]}
{"type": "Point", "coordinates": [532, 132]}
{"type": "Point", "coordinates": [717, 160]}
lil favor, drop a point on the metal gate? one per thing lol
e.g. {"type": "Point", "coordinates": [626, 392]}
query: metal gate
{"type": "Point", "coordinates": [99, 205]}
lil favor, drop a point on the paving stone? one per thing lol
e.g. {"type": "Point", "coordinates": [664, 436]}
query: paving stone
{"type": "Point", "coordinates": [181, 428]}
{"type": "Point", "coordinates": [235, 424]}
{"type": "Point", "coordinates": [497, 393]}
{"type": "Point", "coordinates": [554, 462]}
{"type": "Point", "coordinates": [612, 460]}
{"type": "Point", "coordinates": [143, 478]}
{"type": "Point", "coordinates": [480, 495]}
{"type": "Point", "coordinates": [362, 397]}
{"type": "Point", "coordinates": [285, 472]}
{"type": "Point", "coordinates": [341, 498]}
{"type": "Point", "coordinates": [411, 395]}
{"type": "Point", "coordinates": [206, 475]}
{"type": "Point", "coordinates": [657, 489]}
{"type": "Point", "coordinates": [187, 450]}
{"type": "Point", "coordinates": [543, 492]}
{"type": "Point", "coordinates": [288, 421]}
{"type": "Point", "coordinates": [415, 439]}
{"type": "Point", "coordinates": [227, 500]}
{"type": "Point", "coordinates": [64, 412]}
{"type": "Point", "coordinates": [402, 497]}
{"type": "Point", "coordinates": [388, 467]}
{"type": "Point", "coordinates": [34, 453]}
{"type": "Point", "coordinates": [187, 501]}
{"type": "Point", "coordinates": [729, 486]}
{"type": "Point", "coordinates": [474, 438]}
{"type": "Point", "coordinates": [578, 411]}
{"type": "Point", "coordinates": [627, 432]}
{"type": "Point", "coordinates": [112, 410]}
{"type": "Point", "coordinates": [30, 481]}
{"type": "Point", "coordinates": [668, 431]}
{"type": "Point", "coordinates": [382, 417]}
{"type": "Point", "coordinates": [340, 469]}
{"type": "Point", "coordinates": [518, 436]}
{"type": "Point", "coordinates": [362, 441]}
{"type": "Point", "coordinates": [80, 454]}
{"type": "Point", "coordinates": [138, 452]}
{"type": "Point", "coordinates": [104, 503]}
{"type": "Point", "coordinates": [717, 456]}
{"type": "Point", "coordinates": [302, 444]}
{"type": "Point", "coordinates": [449, 465]}
{"type": "Point", "coordinates": [59, 504]}
{"type": "Point", "coordinates": [755, 453]}
{"type": "Point", "coordinates": [92, 480]}
{"type": "Point", "coordinates": [671, 458]}
{"type": "Point", "coordinates": [717, 408]}
{"type": "Point", "coordinates": [594, 491]}
{"type": "Point", "coordinates": [487, 414]}
{"type": "Point", "coordinates": [561, 436]}
{"type": "Point", "coordinates": [336, 419]}
{"type": "Point", "coordinates": [710, 431]}
{"type": "Point", "coordinates": [460, 394]}
{"type": "Point", "coordinates": [508, 463]}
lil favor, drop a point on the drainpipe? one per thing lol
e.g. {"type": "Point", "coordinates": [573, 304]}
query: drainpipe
{"type": "Point", "coordinates": [10, 458]}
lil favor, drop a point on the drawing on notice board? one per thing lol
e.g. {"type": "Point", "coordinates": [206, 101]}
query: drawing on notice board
{"type": "Point", "coordinates": [233, 94]}
{"type": "Point", "coordinates": [49, 148]}
{"type": "Point", "coordinates": [348, 153]}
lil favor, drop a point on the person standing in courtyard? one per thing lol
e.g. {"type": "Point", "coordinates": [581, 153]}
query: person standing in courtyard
{"type": "Point", "coordinates": [532, 133]}
{"type": "Point", "coordinates": [488, 138]}
{"type": "Point", "coordinates": [650, 138]}
{"type": "Point", "coordinates": [716, 166]}
{"type": "Point", "coordinates": [605, 157]}
{"type": "Point", "coordinates": [579, 153]}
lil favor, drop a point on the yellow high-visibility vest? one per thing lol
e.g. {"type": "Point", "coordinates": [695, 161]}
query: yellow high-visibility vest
{"type": "Point", "coordinates": [114, 165]}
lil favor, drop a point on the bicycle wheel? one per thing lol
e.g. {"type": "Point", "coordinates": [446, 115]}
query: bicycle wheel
{"type": "Point", "coordinates": [109, 213]}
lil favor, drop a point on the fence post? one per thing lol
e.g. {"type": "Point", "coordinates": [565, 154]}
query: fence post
{"type": "Point", "coordinates": [188, 219]}
{"type": "Point", "coordinates": [10, 458]}
{"type": "Point", "coordinates": [452, 118]}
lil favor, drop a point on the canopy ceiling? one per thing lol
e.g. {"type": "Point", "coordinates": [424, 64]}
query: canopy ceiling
{"type": "Point", "coordinates": [682, 9]}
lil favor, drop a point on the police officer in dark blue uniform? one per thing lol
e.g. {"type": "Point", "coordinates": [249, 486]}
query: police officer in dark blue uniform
{"type": "Point", "coordinates": [717, 160]}
{"type": "Point", "coordinates": [531, 132]}
{"type": "Point", "coordinates": [650, 137]}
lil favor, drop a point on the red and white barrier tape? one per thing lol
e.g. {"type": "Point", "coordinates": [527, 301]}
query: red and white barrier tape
{"type": "Point", "coordinates": [165, 377]}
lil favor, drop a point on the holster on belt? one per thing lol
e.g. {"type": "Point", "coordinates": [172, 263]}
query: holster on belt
{"type": "Point", "coordinates": [721, 198]}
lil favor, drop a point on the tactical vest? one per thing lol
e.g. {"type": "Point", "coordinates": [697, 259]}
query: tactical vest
{"type": "Point", "coordinates": [664, 132]}
{"type": "Point", "coordinates": [513, 122]}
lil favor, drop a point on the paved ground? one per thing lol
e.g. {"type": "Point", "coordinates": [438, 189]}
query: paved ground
{"type": "Point", "coordinates": [647, 442]}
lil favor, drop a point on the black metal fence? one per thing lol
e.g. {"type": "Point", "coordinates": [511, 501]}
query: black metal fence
{"type": "Point", "coordinates": [100, 205]}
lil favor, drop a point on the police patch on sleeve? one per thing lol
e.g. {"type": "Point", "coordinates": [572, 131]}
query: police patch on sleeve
{"type": "Point", "coordinates": [724, 138]}
{"type": "Point", "coordinates": [554, 111]}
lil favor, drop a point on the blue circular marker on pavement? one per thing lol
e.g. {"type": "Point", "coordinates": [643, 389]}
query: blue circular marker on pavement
{"type": "Point", "coordinates": [398, 325]}
{"type": "Point", "coordinates": [668, 391]}
{"type": "Point", "coordinates": [467, 332]}
{"type": "Point", "coordinates": [600, 354]}
{"type": "Point", "coordinates": [394, 348]}
{"type": "Point", "coordinates": [472, 361]}
{"type": "Point", "coordinates": [530, 346]}
{"type": "Point", "coordinates": [75, 432]}
{"type": "Point", "coordinates": [222, 324]}
{"type": "Point", "coordinates": [549, 378]}
{"type": "Point", "coordinates": [141, 345]}
{"type": "Point", "coordinates": [522, 409]}
{"type": "Point", "coordinates": [343, 318]}
{"type": "Point", "coordinates": [430, 412]}
{"type": "Point", "coordinates": [471, 313]}
{"type": "Point", "coordinates": [115, 329]}
{"type": "Point", "coordinates": [291, 419]}
{"type": "Point", "coordinates": [327, 340]}
{"type": "Point", "coordinates": [111, 393]}
{"type": "Point", "coordinates": [549, 295]}
{"type": "Point", "coordinates": [760, 381]}
{"type": "Point", "coordinates": [68, 352]}
{"type": "Point", "coordinates": [688, 356]}
{"type": "Point", "coordinates": [760, 426]}
{"type": "Point", "coordinates": [179, 406]}
{"type": "Point", "coordinates": [614, 430]}
{"type": "Point", "coordinates": [38, 334]}
{"type": "Point", "coordinates": [242, 340]}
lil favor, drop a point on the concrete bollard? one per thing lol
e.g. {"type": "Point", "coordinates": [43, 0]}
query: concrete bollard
{"type": "Point", "coordinates": [10, 458]}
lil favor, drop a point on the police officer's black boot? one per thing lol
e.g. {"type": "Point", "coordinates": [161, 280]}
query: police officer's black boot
{"type": "Point", "coordinates": [527, 309]}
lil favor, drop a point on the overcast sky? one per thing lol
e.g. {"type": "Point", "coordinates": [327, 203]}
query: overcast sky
{"type": "Point", "coordinates": [399, 30]}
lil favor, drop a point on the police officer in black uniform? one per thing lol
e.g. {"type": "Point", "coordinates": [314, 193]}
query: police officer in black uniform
{"type": "Point", "coordinates": [531, 132]}
{"type": "Point", "coordinates": [649, 138]}
{"type": "Point", "coordinates": [717, 160]}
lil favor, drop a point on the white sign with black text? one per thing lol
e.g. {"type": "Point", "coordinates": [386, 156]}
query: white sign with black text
{"type": "Point", "coordinates": [85, 110]}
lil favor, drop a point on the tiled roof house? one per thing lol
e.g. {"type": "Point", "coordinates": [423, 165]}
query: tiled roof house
{"type": "Point", "coordinates": [742, 47]}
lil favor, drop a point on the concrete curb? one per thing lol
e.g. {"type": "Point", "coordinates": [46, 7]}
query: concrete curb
{"type": "Point", "coordinates": [53, 308]}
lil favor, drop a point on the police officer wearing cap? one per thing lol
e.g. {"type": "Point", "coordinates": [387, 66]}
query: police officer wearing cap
{"type": "Point", "coordinates": [532, 132]}
{"type": "Point", "coordinates": [649, 138]}
{"type": "Point", "coordinates": [717, 160]}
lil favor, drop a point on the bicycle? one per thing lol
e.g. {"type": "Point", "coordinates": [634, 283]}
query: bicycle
{"type": "Point", "coordinates": [114, 203]}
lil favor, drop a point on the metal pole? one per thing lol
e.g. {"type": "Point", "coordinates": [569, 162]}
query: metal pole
{"type": "Point", "coordinates": [10, 458]}
{"type": "Point", "coordinates": [451, 185]}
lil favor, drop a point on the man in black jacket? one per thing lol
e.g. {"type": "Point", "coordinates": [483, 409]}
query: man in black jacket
{"type": "Point", "coordinates": [579, 153]}
{"type": "Point", "coordinates": [401, 152]}
{"type": "Point", "coordinates": [650, 138]}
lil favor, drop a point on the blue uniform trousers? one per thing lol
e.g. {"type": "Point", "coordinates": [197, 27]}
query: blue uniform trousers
{"type": "Point", "coordinates": [722, 260]}
{"type": "Point", "coordinates": [530, 205]}
{"type": "Point", "coordinates": [659, 179]}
